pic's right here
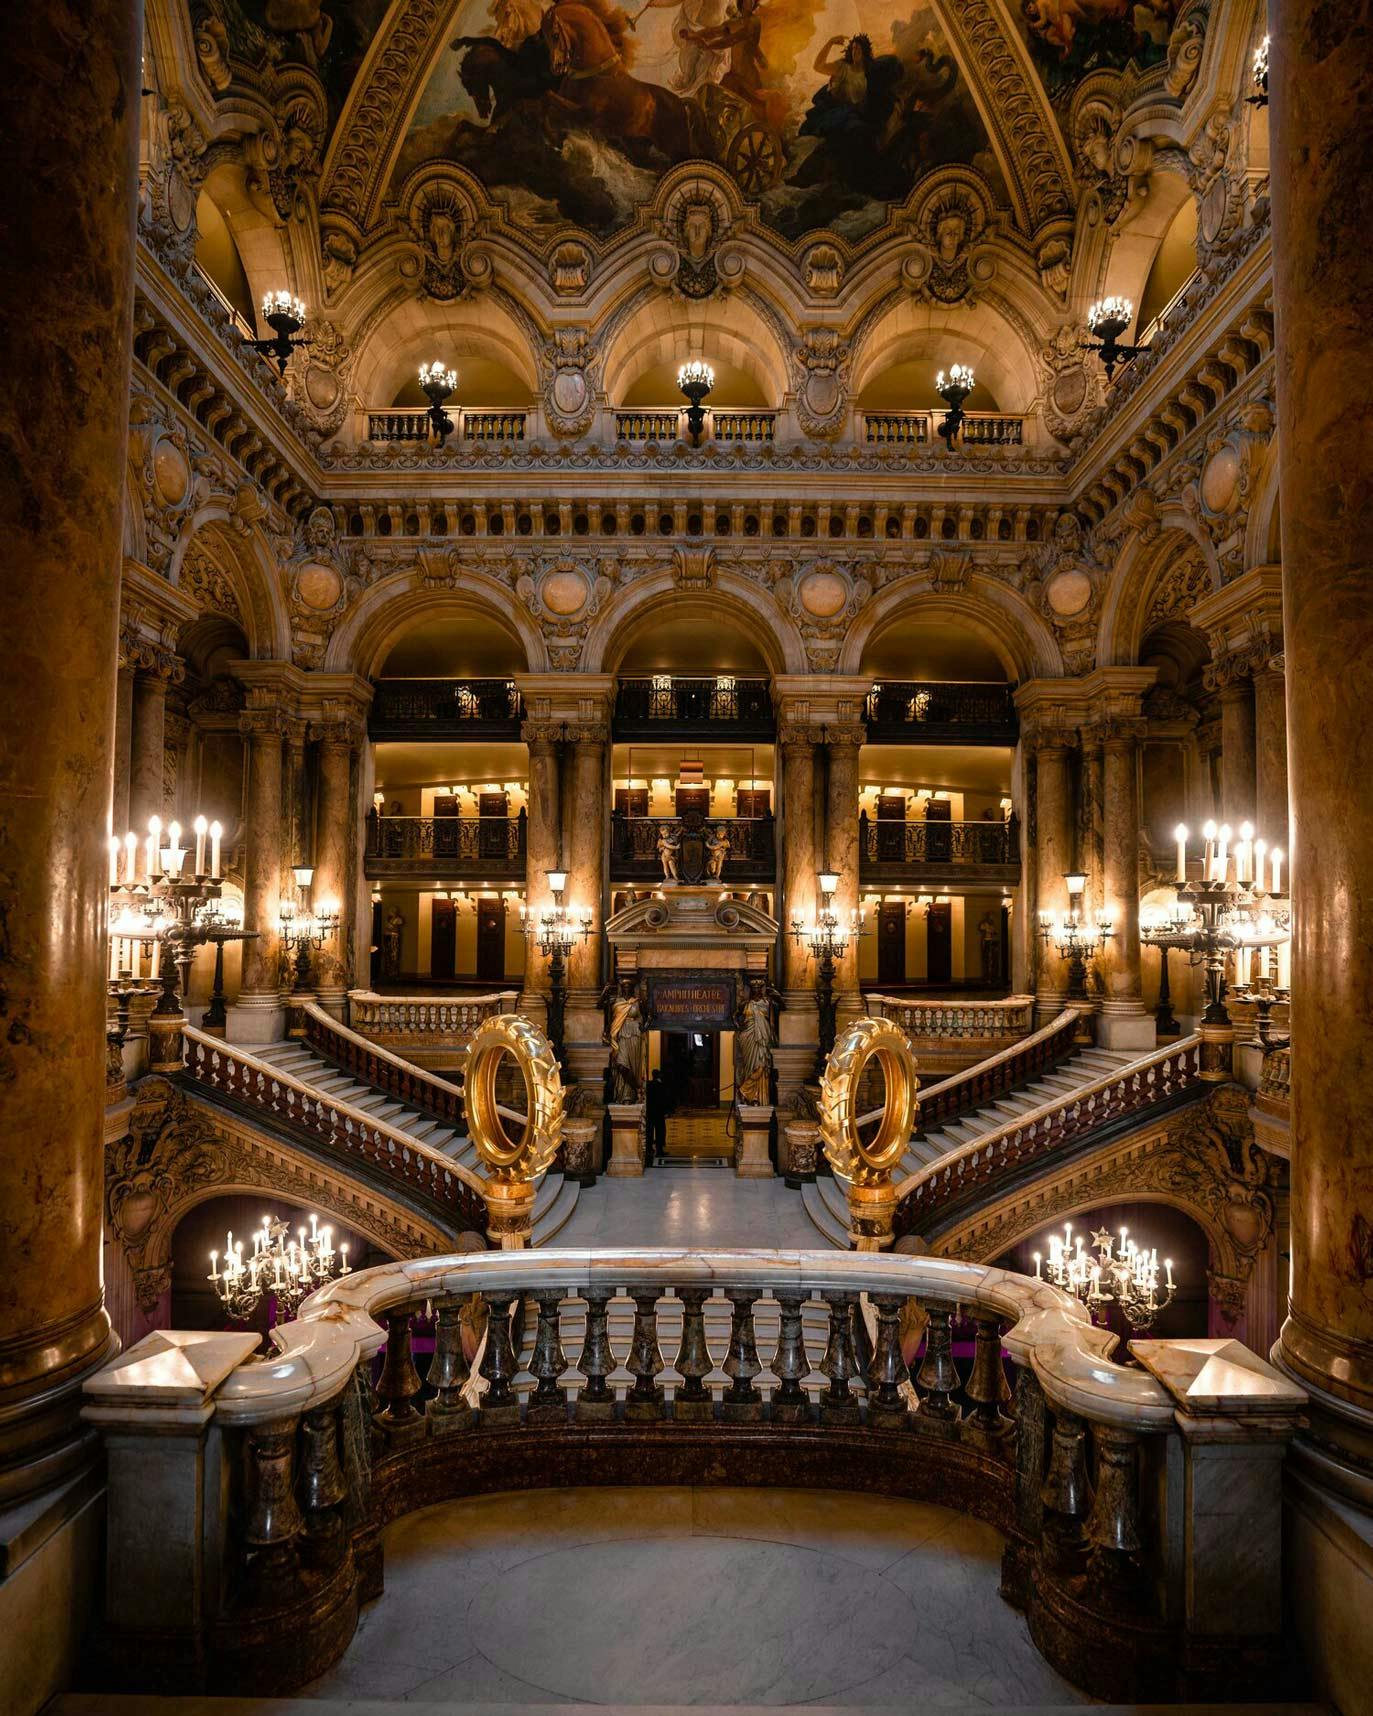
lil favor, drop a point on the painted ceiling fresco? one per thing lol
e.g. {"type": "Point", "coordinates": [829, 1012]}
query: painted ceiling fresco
{"type": "Point", "coordinates": [822, 112]}
{"type": "Point", "coordinates": [1068, 39]}
{"type": "Point", "coordinates": [329, 36]}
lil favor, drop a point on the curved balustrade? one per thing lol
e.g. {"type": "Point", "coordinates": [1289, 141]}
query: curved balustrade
{"type": "Point", "coordinates": [957, 1020]}
{"type": "Point", "coordinates": [1038, 1053]}
{"type": "Point", "coordinates": [1155, 1083]}
{"type": "Point", "coordinates": [372, 1064]}
{"type": "Point", "coordinates": [261, 1089]}
{"type": "Point", "coordinates": [424, 1021]}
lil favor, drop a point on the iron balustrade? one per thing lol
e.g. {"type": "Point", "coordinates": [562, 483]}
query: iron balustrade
{"type": "Point", "coordinates": [491, 846]}
{"type": "Point", "coordinates": [664, 705]}
{"type": "Point", "coordinates": [634, 846]}
{"type": "Point", "coordinates": [912, 712]}
{"type": "Point", "coordinates": [445, 708]}
{"type": "Point", "coordinates": [888, 850]}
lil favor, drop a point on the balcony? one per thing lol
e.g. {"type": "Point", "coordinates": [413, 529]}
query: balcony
{"type": "Point", "coordinates": [445, 709]}
{"type": "Point", "coordinates": [938, 853]}
{"type": "Point", "coordinates": [663, 706]}
{"type": "Point", "coordinates": [915, 712]}
{"type": "Point", "coordinates": [746, 428]}
{"type": "Point", "coordinates": [410, 423]}
{"type": "Point", "coordinates": [981, 429]}
{"type": "Point", "coordinates": [634, 847]}
{"type": "Point", "coordinates": [447, 847]}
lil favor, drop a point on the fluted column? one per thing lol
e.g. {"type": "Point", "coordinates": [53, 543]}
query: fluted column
{"type": "Point", "coordinates": [543, 835]}
{"type": "Point", "coordinates": [1323, 279]}
{"type": "Point", "coordinates": [1053, 858]}
{"type": "Point", "coordinates": [148, 737]}
{"type": "Point", "coordinates": [257, 1015]}
{"type": "Point", "coordinates": [338, 829]}
{"type": "Point", "coordinates": [1124, 1023]}
{"type": "Point", "coordinates": [69, 115]}
{"type": "Point", "coordinates": [1270, 747]}
{"type": "Point", "coordinates": [841, 851]}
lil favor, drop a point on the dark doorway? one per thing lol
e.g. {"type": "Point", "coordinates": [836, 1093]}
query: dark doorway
{"type": "Point", "coordinates": [891, 828]}
{"type": "Point", "coordinates": [493, 809]}
{"type": "Point", "coordinates": [891, 944]}
{"type": "Point", "coordinates": [443, 940]}
{"type": "Point", "coordinates": [447, 815]}
{"type": "Point", "coordinates": [938, 832]}
{"type": "Point", "coordinates": [490, 940]}
{"type": "Point", "coordinates": [939, 943]}
{"type": "Point", "coordinates": [691, 1068]}
{"type": "Point", "coordinates": [375, 964]}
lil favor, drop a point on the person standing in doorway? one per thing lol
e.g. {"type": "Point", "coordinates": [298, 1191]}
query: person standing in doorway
{"type": "Point", "coordinates": [655, 1116]}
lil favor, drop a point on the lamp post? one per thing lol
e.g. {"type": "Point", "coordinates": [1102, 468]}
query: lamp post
{"type": "Point", "coordinates": [1107, 320]}
{"type": "Point", "coordinates": [555, 932]}
{"type": "Point", "coordinates": [437, 383]}
{"type": "Point", "coordinates": [284, 314]}
{"type": "Point", "coordinates": [303, 929]}
{"type": "Point", "coordinates": [695, 378]}
{"type": "Point", "coordinates": [1076, 939]}
{"type": "Point", "coordinates": [953, 386]}
{"type": "Point", "coordinates": [827, 937]}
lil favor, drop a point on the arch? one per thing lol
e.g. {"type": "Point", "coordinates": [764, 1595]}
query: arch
{"type": "Point", "coordinates": [1263, 534]}
{"type": "Point", "coordinates": [371, 629]}
{"type": "Point", "coordinates": [980, 335]}
{"type": "Point", "coordinates": [259, 242]}
{"type": "Point", "coordinates": [1022, 641]}
{"type": "Point", "coordinates": [1140, 239]}
{"type": "Point", "coordinates": [663, 330]}
{"type": "Point", "coordinates": [1141, 564]}
{"type": "Point", "coordinates": [251, 567]}
{"type": "Point", "coordinates": [411, 331]}
{"type": "Point", "coordinates": [654, 599]}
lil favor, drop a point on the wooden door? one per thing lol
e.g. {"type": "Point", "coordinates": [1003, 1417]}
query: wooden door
{"type": "Point", "coordinates": [938, 834]}
{"type": "Point", "coordinates": [891, 829]}
{"type": "Point", "coordinates": [939, 943]}
{"type": "Point", "coordinates": [447, 812]}
{"type": "Point", "coordinates": [631, 801]}
{"type": "Point", "coordinates": [891, 944]}
{"type": "Point", "coordinates": [443, 940]}
{"type": "Point", "coordinates": [753, 801]}
{"type": "Point", "coordinates": [490, 940]}
{"type": "Point", "coordinates": [693, 799]}
{"type": "Point", "coordinates": [493, 808]}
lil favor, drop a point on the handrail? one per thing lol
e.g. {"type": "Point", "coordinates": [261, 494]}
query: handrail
{"type": "Point", "coordinates": [1032, 1135]}
{"type": "Point", "coordinates": [999, 1072]}
{"type": "Point", "coordinates": [236, 1073]}
{"type": "Point", "coordinates": [407, 1017]}
{"type": "Point", "coordinates": [1052, 1332]}
{"type": "Point", "coordinates": [377, 1066]}
{"type": "Point", "coordinates": [899, 1010]}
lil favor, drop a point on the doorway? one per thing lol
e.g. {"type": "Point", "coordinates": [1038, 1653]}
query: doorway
{"type": "Point", "coordinates": [490, 940]}
{"type": "Point", "coordinates": [891, 943]}
{"type": "Point", "coordinates": [691, 1069]}
{"type": "Point", "coordinates": [443, 941]}
{"type": "Point", "coordinates": [939, 943]}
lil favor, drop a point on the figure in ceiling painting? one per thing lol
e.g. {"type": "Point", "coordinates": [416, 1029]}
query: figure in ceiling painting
{"type": "Point", "coordinates": [330, 36]}
{"type": "Point", "coordinates": [571, 110]}
{"type": "Point", "coordinates": [1070, 38]}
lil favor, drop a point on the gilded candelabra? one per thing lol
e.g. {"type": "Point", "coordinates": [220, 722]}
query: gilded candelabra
{"type": "Point", "coordinates": [555, 931]}
{"type": "Point", "coordinates": [1076, 938]}
{"type": "Point", "coordinates": [285, 1266]}
{"type": "Point", "coordinates": [827, 935]}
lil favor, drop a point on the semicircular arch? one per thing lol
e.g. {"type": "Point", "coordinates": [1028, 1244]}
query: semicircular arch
{"type": "Point", "coordinates": [391, 610]}
{"type": "Point", "coordinates": [636, 610]}
{"type": "Point", "coordinates": [1130, 607]}
{"type": "Point", "coordinates": [1022, 641]}
{"type": "Point", "coordinates": [663, 330]}
{"type": "Point", "coordinates": [246, 561]}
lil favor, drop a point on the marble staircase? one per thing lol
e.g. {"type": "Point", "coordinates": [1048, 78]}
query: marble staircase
{"type": "Point", "coordinates": [824, 1197]}
{"type": "Point", "coordinates": [557, 1196]}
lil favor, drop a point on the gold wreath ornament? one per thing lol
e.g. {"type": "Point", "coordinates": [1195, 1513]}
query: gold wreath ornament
{"type": "Point", "coordinates": [870, 1162]}
{"type": "Point", "coordinates": [527, 1151]}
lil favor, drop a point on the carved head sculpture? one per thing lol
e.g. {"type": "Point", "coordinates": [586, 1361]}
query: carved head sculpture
{"type": "Point", "coordinates": [443, 236]}
{"type": "Point", "coordinates": [950, 231]}
{"type": "Point", "coordinates": [697, 225]}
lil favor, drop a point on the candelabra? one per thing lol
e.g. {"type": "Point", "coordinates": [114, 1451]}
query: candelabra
{"type": "Point", "coordinates": [827, 936]}
{"type": "Point", "coordinates": [1108, 320]}
{"type": "Point", "coordinates": [1076, 939]}
{"type": "Point", "coordinates": [288, 1268]}
{"type": "Point", "coordinates": [1166, 929]}
{"type": "Point", "coordinates": [555, 931]}
{"type": "Point", "coordinates": [1260, 74]}
{"type": "Point", "coordinates": [1105, 1276]}
{"type": "Point", "coordinates": [953, 387]}
{"type": "Point", "coordinates": [437, 383]}
{"type": "Point", "coordinates": [303, 929]}
{"type": "Point", "coordinates": [695, 378]}
{"type": "Point", "coordinates": [284, 314]}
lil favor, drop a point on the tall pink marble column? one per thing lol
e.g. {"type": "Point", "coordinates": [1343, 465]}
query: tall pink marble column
{"type": "Point", "coordinates": [1238, 766]}
{"type": "Point", "coordinates": [148, 732]}
{"type": "Point", "coordinates": [338, 833]}
{"type": "Point", "coordinates": [1322, 95]}
{"type": "Point", "coordinates": [1053, 854]}
{"type": "Point", "coordinates": [587, 817]}
{"type": "Point", "coordinates": [798, 859]}
{"type": "Point", "coordinates": [543, 835]}
{"type": "Point", "coordinates": [1124, 1023]}
{"type": "Point", "coordinates": [841, 850]}
{"type": "Point", "coordinates": [257, 1015]}
{"type": "Point", "coordinates": [1270, 748]}
{"type": "Point", "coordinates": [69, 117]}
{"type": "Point", "coordinates": [123, 738]}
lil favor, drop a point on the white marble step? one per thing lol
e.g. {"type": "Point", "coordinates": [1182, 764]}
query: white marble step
{"type": "Point", "coordinates": [817, 1207]}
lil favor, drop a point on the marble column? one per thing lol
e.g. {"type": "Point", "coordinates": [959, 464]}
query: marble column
{"type": "Point", "coordinates": [587, 814]}
{"type": "Point", "coordinates": [69, 114]}
{"type": "Point", "coordinates": [337, 835]}
{"type": "Point", "coordinates": [298, 847]}
{"type": "Point", "coordinates": [1124, 1023]}
{"type": "Point", "coordinates": [148, 734]}
{"type": "Point", "coordinates": [543, 837]}
{"type": "Point", "coordinates": [1270, 747]}
{"type": "Point", "coordinates": [799, 863]}
{"type": "Point", "coordinates": [841, 852]}
{"type": "Point", "coordinates": [1237, 758]}
{"type": "Point", "coordinates": [257, 1016]}
{"type": "Point", "coordinates": [1323, 284]}
{"type": "Point", "coordinates": [1053, 854]}
{"type": "Point", "coordinates": [123, 739]}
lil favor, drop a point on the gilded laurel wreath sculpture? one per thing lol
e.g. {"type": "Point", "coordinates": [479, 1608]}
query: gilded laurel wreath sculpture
{"type": "Point", "coordinates": [868, 1161]}
{"type": "Point", "coordinates": [526, 1152]}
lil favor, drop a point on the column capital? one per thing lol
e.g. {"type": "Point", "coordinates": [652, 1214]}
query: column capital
{"type": "Point", "coordinates": [263, 723]}
{"type": "Point", "coordinates": [150, 661]}
{"type": "Point", "coordinates": [587, 732]}
{"type": "Point", "coordinates": [845, 734]}
{"type": "Point", "coordinates": [796, 736]}
{"type": "Point", "coordinates": [1115, 731]}
{"type": "Point", "coordinates": [1232, 671]}
{"type": "Point", "coordinates": [340, 732]}
{"type": "Point", "coordinates": [541, 732]}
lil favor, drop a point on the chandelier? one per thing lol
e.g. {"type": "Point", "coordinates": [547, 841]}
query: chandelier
{"type": "Point", "coordinates": [1127, 1277]}
{"type": "Point", "coordinates": [953, 386]}
{"type": "Point", "coordinates": [437, 383]}
{"type": "Point", "coordinates": [695, 378]}
{"type": "Point", "coordinates": [284, 314]}
{"type": "Point", "coordinates": [1076, 939]}
{"type": "Point", "coordinates": [287, 1267]}
{"type": "Point", "coordinates": [302, 928]}
{"type": "Point", "coordinates": [1107, 320]}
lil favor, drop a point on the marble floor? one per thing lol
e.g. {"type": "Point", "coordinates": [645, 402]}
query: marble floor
{"type": "Point", "coordinates": [689, 1205]}
{"type": "Point", "coordinates": [676, 1596]}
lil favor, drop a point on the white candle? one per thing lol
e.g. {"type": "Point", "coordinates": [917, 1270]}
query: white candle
{"type": "Point", "coordinates": [1208, 863]}
{"type": "Point", "coordinates": [215, 832]}
{"type": "Point", "coordinates": [1284, 965]}
{"type": "Point", "coordinates": [130, 859]}
{"type": "Point", "coordinates": [1275, 857]}
{"type": "Point", "coordinates": [154, 848]}
{"type": "Point", "coordinates": [200, 826]}
{"type": "Point", "coordinates": [1222, 852]}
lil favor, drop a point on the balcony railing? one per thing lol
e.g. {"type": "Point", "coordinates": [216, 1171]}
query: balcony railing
{"type": "Point", "coordinates": [977, 851]}
{"type": "Point", "coordinates": [752, 428]}
{"type": "Point", "coordinates": [956, 1020]}
{"type": "Point", "coordinates": [634, 857]}
{"type": "Point", "coordinates": [411, 423]}
{"type": "Point", "coordinates": [919, 712]}
{"type": "Point", "coordinates": [663, 705]}
{"type": "Point", "coordinates": [419, 1022]}
{"type": "Point", "coordinates": [918, 429]}
{"type": "Point", "coordinates": [447, 845]}
{"type": "Point", "coordinates": [445, 708]}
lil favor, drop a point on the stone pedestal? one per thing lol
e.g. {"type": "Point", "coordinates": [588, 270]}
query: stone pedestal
{"type": "Point", "coordinates": [626, 1140]}
{"type": "Point", "coordinates": [509, 1213]}
{"type": "Point", "coordinates": [582, 1150]}
{"type": "Point", "coordinates": [799, 1147]}
{"type": "Point", "coordinates": [872, 1210]}
{"type": "Point", "coordinates": [751, 1159]}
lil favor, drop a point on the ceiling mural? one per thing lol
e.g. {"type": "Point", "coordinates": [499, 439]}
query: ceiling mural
{"type": "Point", "coordinates": [329, 36]}
{"type": "Point", "coordinates": [1068, 39]}
{"type": "Point", "coordinates": [825, 112]}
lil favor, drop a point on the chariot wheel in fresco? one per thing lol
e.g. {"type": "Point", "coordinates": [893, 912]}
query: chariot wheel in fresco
{"type": "Point", "coordinates": [755, 156]}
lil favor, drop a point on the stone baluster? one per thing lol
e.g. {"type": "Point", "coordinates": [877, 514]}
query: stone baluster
{"type": "Point", "coordinates": [986, 1388]}
{"type": "Point", "coordinates": [840, 1363]}
{"type": "Point", "coordinates": [1027, 1526]}
{"type": "Point", "coordinates": [399, 1382]}
{"type": "Point", "coordinates": [692, 1403]}
{"type": "Point", "coordinates": [548, 1403]}
{"type": "Point", "coordinates": [937, 1377]}
{"type": "Point", "coordinates": [887, 1369]}
{"type": "Point", "coordinates": [1113, 1526]}
{"type": "Point", "coordinates": [596, 1402]}
{"type": "Point", "coordinates": [499, 1405]}
{"type": "Point", "coordinates": [272, 1521]}
{"type": "Point", "coordinates": [322, 1488]}
{"type": "Point", "coordinates": [645, 1361]}
{"type": "Point", "coordinates": [742, 1403]}
{"type": "Point", "coordinates": [1067, 1495]}
{"type": "Point", "coordinates": [449, 1373]}
{"type": "Point", "coordinates": [790, 1363]}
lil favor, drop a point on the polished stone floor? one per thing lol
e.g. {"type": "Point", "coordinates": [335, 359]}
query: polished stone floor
{"type": "Point", "coordinates": [693, 1596]}
{"type": "Point", "coordinates": [683, 1205]}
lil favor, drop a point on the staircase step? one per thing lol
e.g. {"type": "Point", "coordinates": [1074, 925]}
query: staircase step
{"type": "Point", "coordinates": [818, 1210]}
{"type": "Point", "coordinates": [557, 1212]}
